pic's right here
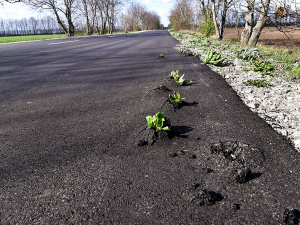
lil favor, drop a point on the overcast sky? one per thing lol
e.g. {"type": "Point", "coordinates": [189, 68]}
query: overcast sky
{"type": "Point", "coordinates": [17, 11]}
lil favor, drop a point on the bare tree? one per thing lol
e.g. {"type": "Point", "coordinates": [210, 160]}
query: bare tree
{"type": "Point", "coordinates": [90, 29]}
{"type": "Point", "coordinates": [182, 15]}
{"type": "Point", "coordinates": [9, 1]}
{"type": "Point", "coordinates": [60, 8]}
{"type": "Point", "coordinates": [150, 20]}
{"type": "Point", "coordinates": [33, 23]}
{"type": "Point", "coordinates": [137, 17]}
{"type": "Point", "coordinates": [222, 7]}
{"type": "Point", "coordinates": [252, 30]}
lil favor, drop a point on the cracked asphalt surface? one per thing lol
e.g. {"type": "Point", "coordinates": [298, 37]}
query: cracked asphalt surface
{"type": "Point", "coordinates": [71, 113]}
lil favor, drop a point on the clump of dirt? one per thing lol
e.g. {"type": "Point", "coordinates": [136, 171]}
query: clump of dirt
{"type": "Point", "coordinates": [201, 197]}
{"type": "Point", "coordinates": [171, 106]}
{"type": "Point", "coordinates": [239, 152]}
{"type": "Point", "coordinates": [183, 153]}
{"type": "Point", "coordinates": [235, 160]}
{"type": "Point", "coordinates": [242, 174]}
{"type": "Point", "coordinates": [236, 206]}
{"type": "Point", "coordinates": [291, 216]}
{"type": "Point", "coordinates": [149, 136]}
{"type": "Point", "coordinates": [175, 106]}
{"type": "Point", "coordinates": [162, 88]}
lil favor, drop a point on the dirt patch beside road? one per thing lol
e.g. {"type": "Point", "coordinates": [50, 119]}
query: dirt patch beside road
{"type": "Point", "coordinates": [270, 36]}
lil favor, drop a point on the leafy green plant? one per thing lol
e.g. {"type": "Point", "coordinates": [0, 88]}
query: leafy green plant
{"type": "Point", "coordinates": [262, 67]}
{"type": "Point", "coordinates": [295, 70]}
{"type": "Point", "coordinates": [257, 83]}
{"type": "Point", "coordinates": [214, 58]}
{"type": "Point", "coordinates": [197, 55]}
{"type": "Point", "coordinates": [182, 81]}
{"type": "Point", "coordinates": [175, 98]}
{"type": "Point", "coordinates": [226, 47]}
{"type": "Point", "coordinates": [174, 75]}
{"type": "Point", "coordinates": [157, 122]}
{"type": "Point", "coordinates": [179, 80]}
{"type": "Point", "coordinates": [194, 43]}
{"type": "Point", "coordinates": [189, 53]}
{"type": "Point", "coordinates": [162, 55]}
{"type": "Point", "coordinates": [247, 54]}
{"type": "Point", "coordinates": [181, 51]}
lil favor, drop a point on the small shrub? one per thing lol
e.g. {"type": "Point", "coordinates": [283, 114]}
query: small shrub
{"type": "Point", "coordinates": [207, 27]}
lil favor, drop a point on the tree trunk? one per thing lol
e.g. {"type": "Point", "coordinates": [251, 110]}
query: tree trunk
{"type": "Point", "coordinates": [223, 18]}
{"type": "Point", "coordinates": [112, 18]}
{"type": "Point", "coordinates": [71, 28]}
{"type": "Point", "coordinates": [214, 17]}
{"type": "Point", "coordinates": [59, 21]}
{"type": "Point", "coordinates": [249, 23]}
{"type": "Point", "coordinates": [260, 24]}
{"type": "Point", "coordinates": [222, 25]}
{"type": "Point", "coordinates": [88, 26]}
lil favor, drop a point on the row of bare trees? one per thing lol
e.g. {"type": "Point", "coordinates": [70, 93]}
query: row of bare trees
{"type": "Point", "coordinates": [98, 16]}
{"type": "Point", "coordinates": [31, 26]}
{"type": "Point", "coordinates": [137, 17]}
{"type": "Point", "coordinates": [252, 14]}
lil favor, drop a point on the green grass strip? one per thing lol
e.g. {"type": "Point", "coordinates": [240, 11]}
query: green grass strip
{"type": "Point", "coordinates": [11, 39]}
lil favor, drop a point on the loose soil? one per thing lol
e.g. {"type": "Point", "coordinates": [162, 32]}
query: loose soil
{"type": "Point", "coordinates": [270, 36]}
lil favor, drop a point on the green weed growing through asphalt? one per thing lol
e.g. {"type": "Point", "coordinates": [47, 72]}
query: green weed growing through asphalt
{"type": "Point", "coordinates": [175, 98]}
{"type": "Point", "coordinates": [157, 122]}
{"type": "Point", "coordinates": [162, 55]}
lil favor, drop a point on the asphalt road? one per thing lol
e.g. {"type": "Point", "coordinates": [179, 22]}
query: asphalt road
{"type": "Point", "coordinates": [70, 113]}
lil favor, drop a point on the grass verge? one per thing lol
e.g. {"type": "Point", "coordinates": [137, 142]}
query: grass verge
{"type": "Point", "coordinates": [11, 39]}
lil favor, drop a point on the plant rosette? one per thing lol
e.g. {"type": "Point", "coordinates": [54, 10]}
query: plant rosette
{"type": "Point", "coordinates": [182, 82]}
{"type": "Point", "coordinates": [159, 128]}
{"type": "Point", "coordinates": [157, 122]}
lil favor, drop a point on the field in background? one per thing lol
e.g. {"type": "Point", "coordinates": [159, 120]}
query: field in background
{"type": "Point", "coordinates": [270, 36]}
{"type": "Point", "coordinates": [30, 38]}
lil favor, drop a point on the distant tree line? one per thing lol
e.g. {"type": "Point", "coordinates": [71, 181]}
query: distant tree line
{"type": "Point", "coordinates": [137, 17]}
{"type": "Point", "coordinates": [31, 26]}
{"type": "Point", "coordinates": [98, 15]}
{"type": "Point", "coordinates": [81, 16]}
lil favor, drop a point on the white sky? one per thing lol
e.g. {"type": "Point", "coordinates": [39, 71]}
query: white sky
{"type": "Point", "coordinates": [19, 11]}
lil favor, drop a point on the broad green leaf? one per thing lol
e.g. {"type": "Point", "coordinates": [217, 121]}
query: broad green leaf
{"type": "Point", "coordinates": [160, 115]}
{"type": "Point", "coordinates": [149, 121]}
